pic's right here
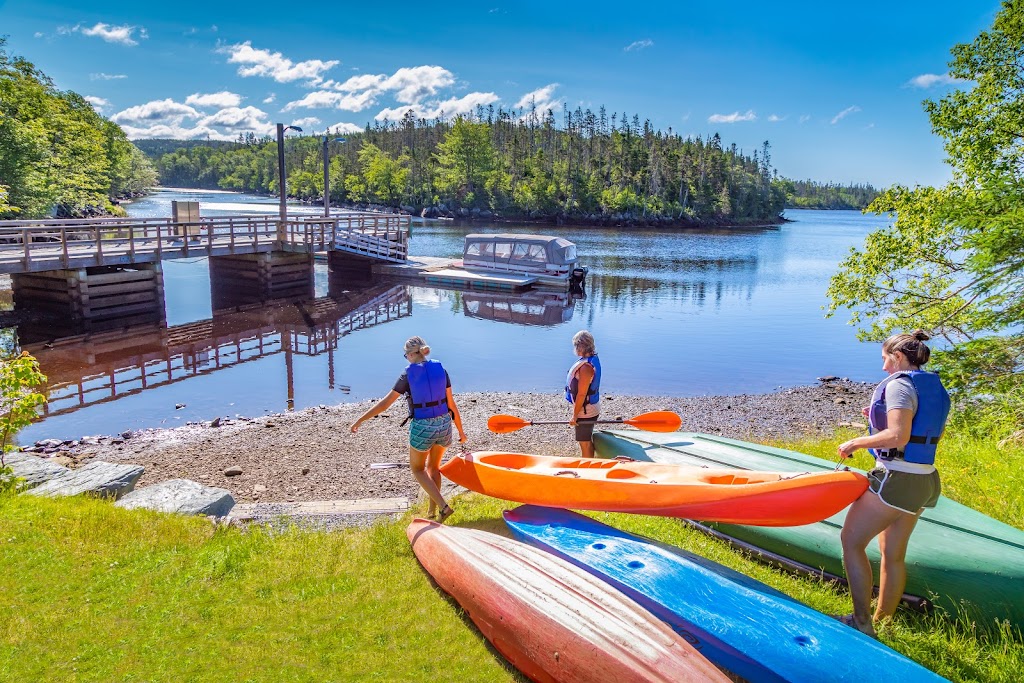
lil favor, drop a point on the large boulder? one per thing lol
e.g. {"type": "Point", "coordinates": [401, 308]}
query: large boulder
{"type": "Point", "coordinates": [107, 479]}
{"type": "Point", "coordinates": [33, 469]}
{"type": "Point", "coordinates": [182, 496]}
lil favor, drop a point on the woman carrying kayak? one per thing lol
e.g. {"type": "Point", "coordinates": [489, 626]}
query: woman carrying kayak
{"type": "Point", "coordinates": [907, 414]}
{"type": "Point", "coordinates": [582, 390]}
{"type": "Point", "coordinates": [428, 389]}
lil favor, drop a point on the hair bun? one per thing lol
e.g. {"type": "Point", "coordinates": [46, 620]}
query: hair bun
{"type": "Point", "coordinates": [921, 335]}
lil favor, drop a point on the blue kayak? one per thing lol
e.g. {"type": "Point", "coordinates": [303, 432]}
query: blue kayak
{"type": "Point", "coordinates": [739, 623]}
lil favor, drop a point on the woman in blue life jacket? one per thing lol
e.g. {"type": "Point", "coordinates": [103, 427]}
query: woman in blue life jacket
{"type": "Point", "coordinates": [428, 389]}
{"type": "Point", "coordinates": [582, 390]}
{"type": "Point", "coordinates": [907, 414]}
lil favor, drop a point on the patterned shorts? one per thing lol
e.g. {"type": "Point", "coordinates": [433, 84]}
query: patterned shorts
{"type": "Point", "coordinates": [430, 431]}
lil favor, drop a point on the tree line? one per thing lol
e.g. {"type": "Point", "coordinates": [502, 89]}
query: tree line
{"type": "Point", "coordinates": [57, 155]}
{"type": "Point", "coordinates": [808, 194]}
{"type": "Point", "coordinates": [513, 163]}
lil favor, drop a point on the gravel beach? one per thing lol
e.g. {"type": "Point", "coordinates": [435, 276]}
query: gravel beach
{"type": "Point", "coordinates": [311, 454]}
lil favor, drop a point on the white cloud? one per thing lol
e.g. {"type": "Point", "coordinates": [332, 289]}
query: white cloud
{"type": "Point", "coordinates": [638, 45]}
{"type": "Point", "coordinates": [844, 113]}
{"type": "Point", "coordinates": [123, 35]}
{"type": "Point", "coordinates": [542, 98]}
{"type": "Point", "coordinates": [269, 99]}
{"type": "Point", "coordinates": [176, 132]}
{"type": "Point", "coordinates": [38, 34]}
{"type": "Point", "coordinates": [256, 62]}
{"type": "Point", "coordinates": [307, 122]}
{"type": "Point", "coordinates": [734, 117]}
{"type": "Point", "coordinates": [235, 119]}
{"type": "Point", "coordinates": [931, 80]}
{"type": "Point", "coordinates": [410, 85]}
{"type": "Point", "coordinates": [345, 128]}
{"type": "Point", "coordinates": [106, 77]}
{"type": "Point", "coordinates": [804, 118]}
{"type": "Point", "coordinates": [450, 107]}
{"type": "Point", "coordinates": [220, 99]}
{"type": "Point", "coordinates": [167, 111]}
{"type": "Point", "coordinates": [775, 118]}
{"type": "Point", "coordinates": [97, 102]}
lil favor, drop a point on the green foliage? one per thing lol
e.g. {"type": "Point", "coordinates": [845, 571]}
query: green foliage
{"type": "Point", "coordinates": [808, 194]}
{"type": "Point", "coordinates": [19, 379]}
{"type": "Point", "coordinates": [56, 151]}
{"type": "Point", "coordinates": [506, 161]}
{"type": "Point", "coordinates": [952, 262]}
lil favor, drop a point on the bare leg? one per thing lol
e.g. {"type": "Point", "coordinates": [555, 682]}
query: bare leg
{"type": "Point", "coordinates": [893, 544]}
{"type": "Point", "coordinates": [867, 518]}
{"type": "Point", "coordinates": [434, 472]}
{"type": "Point", "coordinates": [586, 448]}
{"type": "Point", "coordinates": [417, 463]}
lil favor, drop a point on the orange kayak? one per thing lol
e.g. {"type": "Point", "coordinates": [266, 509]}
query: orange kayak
{"type": "Point", "coordinates": [725, 495]}
{"type": "Point", "coordinates": [552, 620]}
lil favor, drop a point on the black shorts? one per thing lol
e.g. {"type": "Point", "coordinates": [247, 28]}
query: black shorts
{"type": "Point", "coordinates": [585, 428]}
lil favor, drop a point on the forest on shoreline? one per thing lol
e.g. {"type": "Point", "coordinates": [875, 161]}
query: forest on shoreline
{"type": "Point", "coordinates": [57, 155]}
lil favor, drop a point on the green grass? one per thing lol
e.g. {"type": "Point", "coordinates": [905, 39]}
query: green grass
{"type": "Point", "coordinates": [89, 592]}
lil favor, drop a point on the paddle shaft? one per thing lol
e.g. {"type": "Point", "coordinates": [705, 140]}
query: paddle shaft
{"type": "Point", "coordinates": [565, 422]}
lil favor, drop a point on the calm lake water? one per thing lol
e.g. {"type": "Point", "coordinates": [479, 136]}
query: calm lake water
{"type": "Point", "coordinates": [677, 313]}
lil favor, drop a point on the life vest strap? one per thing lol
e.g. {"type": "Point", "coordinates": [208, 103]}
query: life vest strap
{"type": "Point", "coordinates": [430, 404]}
{"type": "Point", "coordinates": [924, 440]}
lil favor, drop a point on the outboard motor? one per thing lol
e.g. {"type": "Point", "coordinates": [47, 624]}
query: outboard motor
{"type": "Point", "coordinates": [577, 280]}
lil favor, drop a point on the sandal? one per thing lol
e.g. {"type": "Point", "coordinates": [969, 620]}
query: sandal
{"type": "Point", "coordinates": [849, 620]}
{"type": "Point", "coordinates": [444, 514]}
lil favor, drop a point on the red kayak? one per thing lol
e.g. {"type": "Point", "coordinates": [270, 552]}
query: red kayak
{"type": "Point", "coordinates": [550, 619]}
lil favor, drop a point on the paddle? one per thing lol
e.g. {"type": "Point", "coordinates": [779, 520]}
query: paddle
{"type": "Point", "coordinates": [655, 421]}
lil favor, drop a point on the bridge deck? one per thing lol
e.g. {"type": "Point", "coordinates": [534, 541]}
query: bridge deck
{"type": "Point", "coordinates": [35, 246]}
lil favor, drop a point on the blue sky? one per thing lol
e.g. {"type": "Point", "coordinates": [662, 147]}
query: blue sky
{"type": "Point", "coordinates": [835, 88]}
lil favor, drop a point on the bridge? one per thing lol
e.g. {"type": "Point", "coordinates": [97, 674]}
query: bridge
{"type": "Point", "coordinates": [106, 272]}
{"type": "Point", "coordinates": [128, 362]}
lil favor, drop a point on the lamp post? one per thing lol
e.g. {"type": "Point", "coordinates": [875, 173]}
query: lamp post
{"type": "Point", "coordinates": [327, 175]}
{"type": "Point", "coordinates": [281, 128]}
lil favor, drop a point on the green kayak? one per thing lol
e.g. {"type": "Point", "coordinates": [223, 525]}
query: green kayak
{"type": "Point", "coordinates": [959, 559]}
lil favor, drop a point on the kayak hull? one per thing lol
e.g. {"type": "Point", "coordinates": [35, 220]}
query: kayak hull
{"type": "Point", "coordinates": [959, 559]}
{"type": "Point", "coordinates": [737, 622]}
{"type": "Point", "coordinates": [722, 495]}
{"type": "Point", "coordinates": [551, 620]}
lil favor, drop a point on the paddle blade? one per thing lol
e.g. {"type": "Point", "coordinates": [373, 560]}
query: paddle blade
{"type": "Point", "coordinates": [503, 424]}
{"type": "Point", "coordinates": [656, 421]}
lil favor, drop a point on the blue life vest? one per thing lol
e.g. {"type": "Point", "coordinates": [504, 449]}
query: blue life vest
{"type": "Point", "coordinates": [928, 423]}
{"type": "Point", "coordinates": [428, 394]}
{"type": "Point", "coordinates": [572, 383]}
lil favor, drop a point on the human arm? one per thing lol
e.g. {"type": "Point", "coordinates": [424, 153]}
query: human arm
{"type": "Point", "coordinates": [895, 435]}
{"type": "Point", "coordinates": [456, 417]}
{"type": "Point", "coordinates": [583, 379]}
{"type": "Point", "coordinates": [376, 410]}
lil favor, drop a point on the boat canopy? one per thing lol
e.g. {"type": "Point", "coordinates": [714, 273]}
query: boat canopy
{"type": "Point", "coordinates": [526, 253]}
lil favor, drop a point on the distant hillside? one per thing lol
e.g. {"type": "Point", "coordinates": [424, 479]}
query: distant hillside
{"type": "Point", "coordinates": [808, 194]}
{"type": "Point", "coordinates": [157, 147]}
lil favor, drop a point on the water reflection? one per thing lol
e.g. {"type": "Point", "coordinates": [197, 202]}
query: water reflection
{"type": "Point", "coordinates": [541, 308]}
{"type": "Point", "coordinates": [101, 368]}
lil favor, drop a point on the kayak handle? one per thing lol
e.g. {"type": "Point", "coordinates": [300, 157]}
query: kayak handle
{"type": "Point", "coordinates": [575, 474]}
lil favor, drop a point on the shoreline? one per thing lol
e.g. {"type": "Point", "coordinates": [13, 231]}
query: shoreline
{"type": "Point", "coordinates": [311, 455]}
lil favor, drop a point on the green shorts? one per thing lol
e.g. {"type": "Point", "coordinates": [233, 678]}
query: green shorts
{"type": "Point", "coordinates": [904, 490]}
{"type": "Point", "coordinates": [431, 431]}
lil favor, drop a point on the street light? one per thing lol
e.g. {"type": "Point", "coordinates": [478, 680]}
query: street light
{"type": "Point", "coordinates": [327, 175]}
{"type": "Point", "coordinates": [281, 128]}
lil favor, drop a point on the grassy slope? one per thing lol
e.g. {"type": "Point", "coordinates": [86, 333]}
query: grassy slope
{"type": "Point", "coordinates": [91, 592]}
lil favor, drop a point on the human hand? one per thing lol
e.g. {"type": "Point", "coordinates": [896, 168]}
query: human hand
{"type": "Point", "coordinates": [572, 422]}
{"type": "Point", "coordinates": [355, 426]}
{"type": "Point", "coordinates": [847, 448]}
{"type": "Point", "coordinates": [462, 437]}
{"type": "Point", "coordinates": [865, 411]}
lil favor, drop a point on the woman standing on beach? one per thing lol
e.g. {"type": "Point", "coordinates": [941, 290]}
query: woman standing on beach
{"type": "Point", "coordinates": [907, 414]}
{"type": "Point", "coordinates": [428, 389]}
{"type": "Point", "coordinates": [583, 391]}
